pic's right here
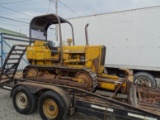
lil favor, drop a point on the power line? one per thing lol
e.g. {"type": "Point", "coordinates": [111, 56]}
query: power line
{"type": "Point", "coordinates": [16, 2]}
{"type": "Point", "coordinates": [68, 7]}
{"type": "Point", "coordinates": [11, 24]}
{"type": "Point", "coordinates": [32, 16]}
{"type": "Point", "coordinates": [21, 18]}
{"type": "Point", "coordinates": [27, 14]}
{"type": "Point", "coordinates": [13, 20]}
{"type": "Point", "coordinates": [18, 12]}
{"type": "Point", "coordinates": [15, 11]}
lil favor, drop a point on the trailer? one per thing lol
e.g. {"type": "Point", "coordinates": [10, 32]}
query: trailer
{"type": "Point", "coordinates": [131, 37]}
{"type": "Point", "coordinates": [64, 100]}
{"type": "Point", "coordinates": [65, 79]}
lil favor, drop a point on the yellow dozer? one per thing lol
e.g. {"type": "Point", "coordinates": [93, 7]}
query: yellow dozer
{"type": "Point", "coordinates": [82, 66]}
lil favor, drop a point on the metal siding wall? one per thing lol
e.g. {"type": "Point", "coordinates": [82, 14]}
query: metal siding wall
{"type": "Point", "coordinates": [7, 46]}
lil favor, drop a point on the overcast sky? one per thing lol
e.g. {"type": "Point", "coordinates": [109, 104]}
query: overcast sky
{"type": "Point", "coordinates": [66, 9]}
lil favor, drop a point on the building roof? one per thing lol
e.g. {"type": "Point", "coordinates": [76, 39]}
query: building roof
{"type": "Point", "coordinates": [3, 30]}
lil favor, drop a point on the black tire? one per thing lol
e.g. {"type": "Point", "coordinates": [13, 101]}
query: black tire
{"type": "Point", "coordinates": [55, 103]}
{"type": "Point", "coordinates": [22, 93]}
{"type": "Point", "coordinates": [144, 77]}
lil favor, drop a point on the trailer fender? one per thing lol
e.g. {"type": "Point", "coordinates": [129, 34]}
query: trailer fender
{"type": "Point", "coordinates": [35, 88]}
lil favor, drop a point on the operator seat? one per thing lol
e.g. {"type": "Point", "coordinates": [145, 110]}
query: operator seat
{"type": "Point", "coordinates": [54, 50]}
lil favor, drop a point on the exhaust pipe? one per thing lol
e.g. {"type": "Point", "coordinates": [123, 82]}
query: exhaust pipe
{"type": "Point", "coordinates": [86, 34]}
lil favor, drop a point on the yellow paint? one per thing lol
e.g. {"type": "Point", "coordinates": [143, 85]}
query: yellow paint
{"type": "Point", "coordinates": [50, 114]}
{"type": "Point", "coordinates": [108, 86]}
{"type": "Point", "coordinates": [40, 54]}
{"type": "Point", "coordinates": [114, 77]}
{"type": "Point", "coordinates": [74, 49]}
{"type": "Point", "coordinates": [75, 56]}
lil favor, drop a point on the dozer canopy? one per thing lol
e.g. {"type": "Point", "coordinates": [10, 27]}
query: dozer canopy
{"type": "Point", "coordinates": [40, 24]}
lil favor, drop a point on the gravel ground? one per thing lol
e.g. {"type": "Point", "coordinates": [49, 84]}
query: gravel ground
{"type": "Point", "coordinates": [7, 111]}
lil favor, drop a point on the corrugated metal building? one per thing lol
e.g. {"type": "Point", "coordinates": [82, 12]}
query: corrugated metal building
{"type": "Point", "coordinates": [7, 39]}
{"type": "Point", "coordinates": [3, 30]}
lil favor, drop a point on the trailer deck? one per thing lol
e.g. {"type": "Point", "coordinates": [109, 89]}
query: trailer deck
{"type": "Point", "coordinates": [98, 104]}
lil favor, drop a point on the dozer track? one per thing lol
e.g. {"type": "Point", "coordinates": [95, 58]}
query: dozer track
{"type": "Point", "coordinates": [77, 77]}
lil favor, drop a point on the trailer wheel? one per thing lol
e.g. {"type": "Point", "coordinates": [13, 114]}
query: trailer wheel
{"type": "Point", "coordinates": [51, 106]}
{"type": "Point", "coordinates": [144, 78]}
{"type": "Point", "coordinates": [23, 100]}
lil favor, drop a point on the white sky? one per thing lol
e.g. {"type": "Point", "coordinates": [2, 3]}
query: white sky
{"type": "Point", "coordinates": [80, 8]}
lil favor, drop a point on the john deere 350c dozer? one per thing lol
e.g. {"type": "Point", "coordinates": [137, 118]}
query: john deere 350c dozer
{"type": "Point", "coordinates": [78, 66]}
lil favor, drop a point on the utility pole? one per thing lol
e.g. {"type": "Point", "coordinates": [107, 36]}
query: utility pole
{"type": "Point", "coordinates": [56, 12]}
{"type": "Point", "coordinates": [56, 8]}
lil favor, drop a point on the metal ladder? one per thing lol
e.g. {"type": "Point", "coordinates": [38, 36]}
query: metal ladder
{"type": "Point", "coordinates": [11, 63]}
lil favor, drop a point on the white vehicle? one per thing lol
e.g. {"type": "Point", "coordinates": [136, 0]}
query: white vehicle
{"type": "Point", "coordinates": [132, 39]}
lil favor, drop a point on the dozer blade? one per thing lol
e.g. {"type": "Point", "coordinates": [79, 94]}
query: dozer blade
{"type": "Point", "coordinates": [143, 97]}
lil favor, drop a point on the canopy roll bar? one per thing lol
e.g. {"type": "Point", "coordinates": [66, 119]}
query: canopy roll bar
{"type": "Point", "coordinates": [41, 24]}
